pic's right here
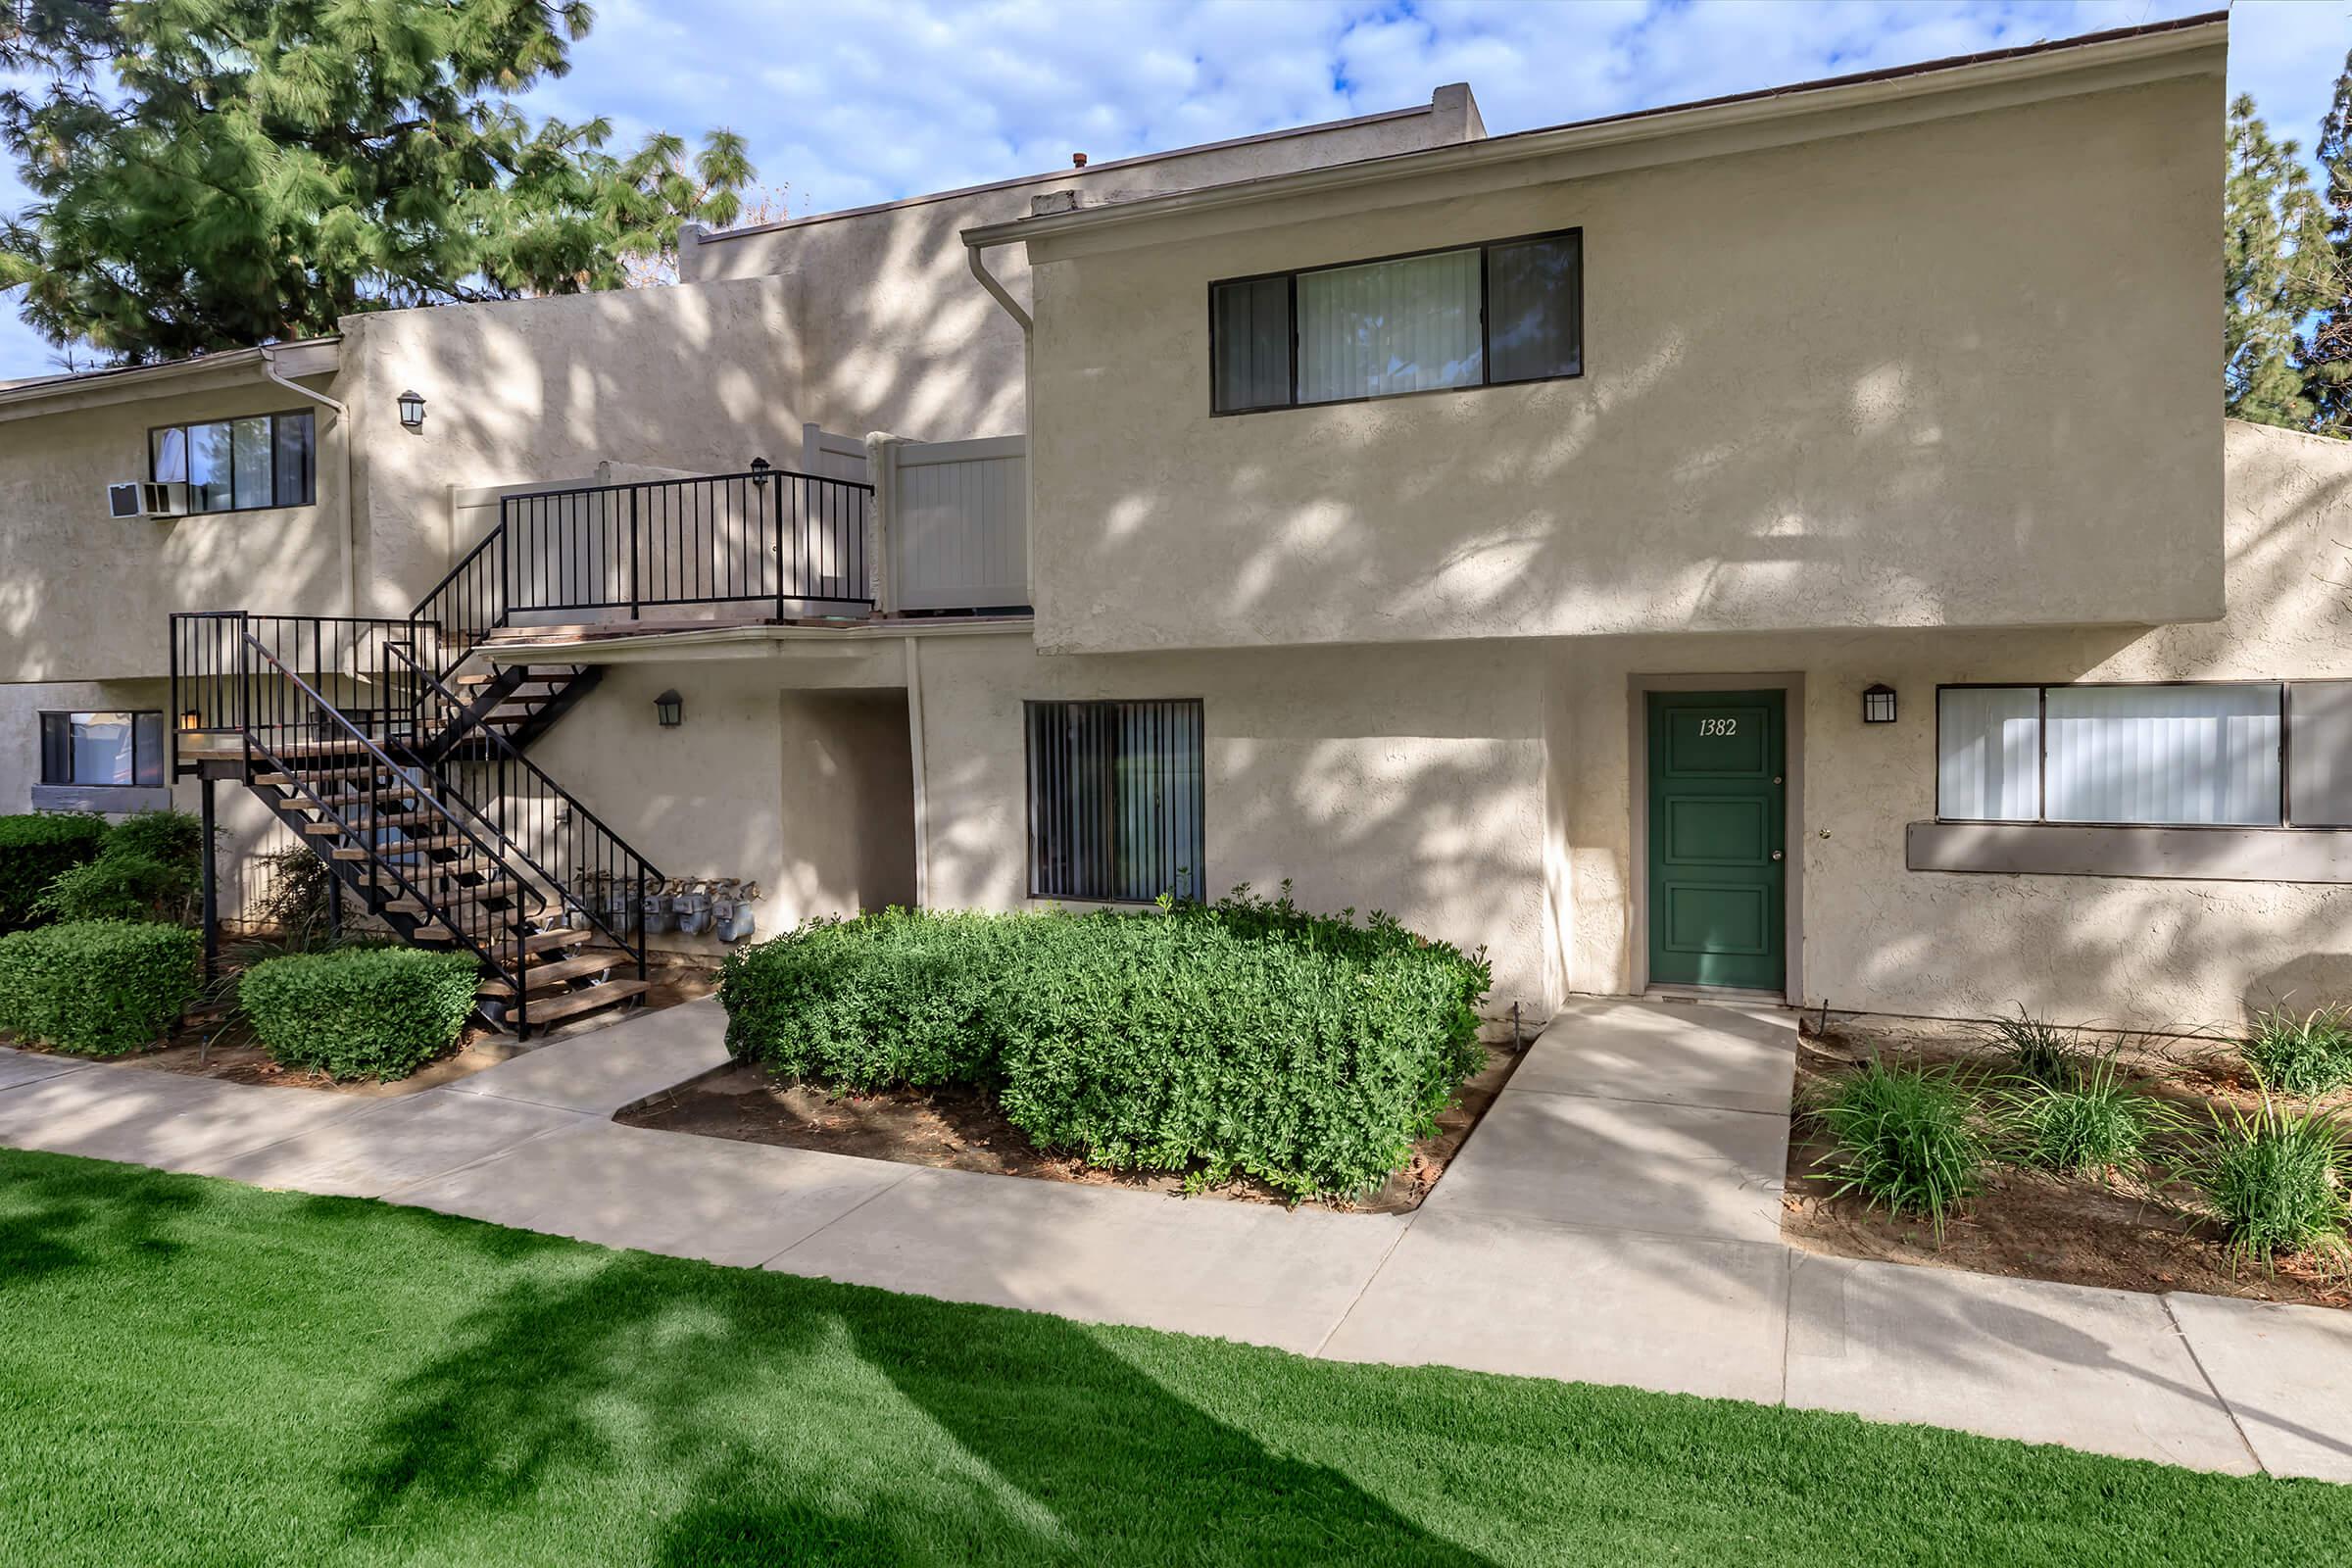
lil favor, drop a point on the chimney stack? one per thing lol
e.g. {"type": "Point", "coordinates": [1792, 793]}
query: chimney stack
{"type": "Point", "coordinates": [1077, 160]}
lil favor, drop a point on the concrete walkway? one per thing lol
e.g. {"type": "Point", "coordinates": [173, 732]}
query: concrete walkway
{"type": "Point", "coordinates": [1615, 1219]}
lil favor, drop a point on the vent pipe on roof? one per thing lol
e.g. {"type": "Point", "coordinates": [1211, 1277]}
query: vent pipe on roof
{"type": "Point", "coordinates": [1077, 160]}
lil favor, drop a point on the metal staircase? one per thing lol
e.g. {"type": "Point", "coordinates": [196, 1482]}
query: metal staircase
{"type": "Point", "coordinates": [419, 801]}
{"type": "Point", "coordinates": [394, 747]}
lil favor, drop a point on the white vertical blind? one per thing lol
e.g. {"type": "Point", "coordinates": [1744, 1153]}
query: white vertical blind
{"type": "Point", "coordinates": [2190, 755]}
{"type": "Point", "coordinates": [1386, 327]}
{"type": "Point", "coordinates": [1988, 753]}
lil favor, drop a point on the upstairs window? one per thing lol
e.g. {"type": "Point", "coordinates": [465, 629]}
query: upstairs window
{"type": "Point", "coordinates": [263, 459]}
{"type": "Point", "coordinates": [1439, 320]}
{"type": "Point", "coordinates": [99, 750]}
{"type": "Point", "coordinates": [2209, 754]}
{"type": "Point", "coordinates": [1114, 801]}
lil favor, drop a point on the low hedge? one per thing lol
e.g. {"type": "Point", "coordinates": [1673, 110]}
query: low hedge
{"type": "Point", "coordinates": [33, 849]}
{"type": "Point", "coordinates": [1305, 1050]}
{"type": "Point", "coordinates": [149, 869]}
{"type": "Point", "coordinates": [99, 987]}
{"type": "Point", "coordinates": [359, 1012]}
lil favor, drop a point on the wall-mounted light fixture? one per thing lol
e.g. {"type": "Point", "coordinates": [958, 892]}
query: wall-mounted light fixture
{"type": "Point", "coordinates": [669, 709]}
{"type": "Point", "coordinates": [1878, 705]}
{"type": "Point", "coordinates": [760, 467]}
{"type": "Point", "coordinates": [191, 719]}
{"type": "Point", "coordinates": [412, 411]}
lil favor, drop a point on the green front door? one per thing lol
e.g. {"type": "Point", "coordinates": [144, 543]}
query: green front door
{"type": "Point", "coordinates": [1717, 835]}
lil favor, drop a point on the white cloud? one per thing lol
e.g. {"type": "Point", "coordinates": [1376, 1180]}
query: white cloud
{"type": "Point", "coordinates": [854, 101]}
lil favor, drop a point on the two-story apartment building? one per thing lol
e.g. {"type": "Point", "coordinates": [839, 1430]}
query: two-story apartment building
{"type": "Point", "coordinates": [1787, 543]}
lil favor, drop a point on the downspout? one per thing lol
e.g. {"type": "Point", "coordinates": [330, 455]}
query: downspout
{"type": "Point", "coordinates": [972, 256]}
{"type": "Point", "coordinates": [351, 563]}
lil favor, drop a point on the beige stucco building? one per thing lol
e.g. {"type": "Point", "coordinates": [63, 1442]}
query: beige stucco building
{"type": "Point", "coordinates": [1706, 547]}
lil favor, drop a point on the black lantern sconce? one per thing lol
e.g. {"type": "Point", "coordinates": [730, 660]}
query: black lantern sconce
{"type": "Point", "coordinates": [669, 709]}
{"type": "Point", "coordinates": [191, 721]}
{"type": "Point", "coordinates": [1878, 705]}
{"type": "Point", "coordinates": [412, 411]}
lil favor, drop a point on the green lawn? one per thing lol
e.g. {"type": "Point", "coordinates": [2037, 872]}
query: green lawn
{"type": "Point", "coordinates": [197, 1372]}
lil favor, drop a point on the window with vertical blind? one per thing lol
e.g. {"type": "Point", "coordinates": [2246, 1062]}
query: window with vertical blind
{"type": "Point", "coordinates": [2206, 754]}
{"type": "Point", "coordinates": [1436, 320]}
{"type": "Point", "coordinates": [1116, 799]}
{"type": "Point", "coordinates": [102, 750]}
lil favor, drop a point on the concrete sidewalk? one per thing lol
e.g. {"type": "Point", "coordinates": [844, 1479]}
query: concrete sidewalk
{"type": "Point", "coordinates": [1615, 1219]}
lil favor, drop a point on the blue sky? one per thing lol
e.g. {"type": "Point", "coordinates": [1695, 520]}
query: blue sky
{"type": "Point", "coordinates": [853, 101]}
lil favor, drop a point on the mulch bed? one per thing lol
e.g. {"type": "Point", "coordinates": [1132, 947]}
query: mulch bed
{"type": "Point", "coordinates": [959, 1127]}
{"type": "Point", "coordinates": [2117, 1231]}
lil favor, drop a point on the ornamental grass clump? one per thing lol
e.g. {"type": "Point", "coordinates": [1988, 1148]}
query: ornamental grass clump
{"type": "Point", "coordinates": [100, 988]}
{"type": "Point", "coordinates": [1244, 1037]}
{"type": "Point", "coordinates": [2033, 1049]}
{"type": "Point", "coordinates": [2276, 1181]}
{"type": "Point", "coordinates": [1906, 1137]}
{"type": "Point", "coordinates": [359, 1012]}
{"type": "Point", "coordinates": [2102, 1123]}
{"type": "Point", "coordinates": [2304, 1053]}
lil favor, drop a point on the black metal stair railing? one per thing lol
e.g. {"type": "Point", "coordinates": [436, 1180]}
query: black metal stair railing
{"type": "Point", "coordinates": [381, 807]}
{"type": "Point", "coordinates": [596, 874]}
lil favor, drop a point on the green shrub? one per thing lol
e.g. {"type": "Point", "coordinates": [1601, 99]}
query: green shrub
{"type": "Point", "coordinates": [2100, 1124]}
{"type": "Point", "coordinates": [33, 849]}
{"type": "Point", "coordinates": [1906, 1137]}
{"type": "Point", "coordinates": [2276, 1181]}
{"type": "Point", "coordinates": [1308, 1052]}
{"type": "Point", "coordinates": [118, 887]}
{"type": "Point", "coordinates": [359, 1012]}
{"type": "Point", "coordinates": [101, 987]}
{"type": "Point", "coordinates": [170, 838]}
{"type": "Point", "coordinates": [2029, 1048]}
{"type": "Point", "coordinates": [2306, 1055]}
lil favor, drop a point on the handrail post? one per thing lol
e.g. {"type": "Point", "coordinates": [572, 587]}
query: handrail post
{"type": "Point", "coordinates": [633, 593]}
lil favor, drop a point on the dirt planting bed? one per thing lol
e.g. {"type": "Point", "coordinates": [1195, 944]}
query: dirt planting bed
{"type": "Point", "coordinates": [2117, 1230]}
{"type": "Point", "coordinates": [957, 1127]}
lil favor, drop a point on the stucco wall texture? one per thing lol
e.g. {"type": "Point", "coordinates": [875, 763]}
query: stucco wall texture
{"type": "Point", "coordinates": [1825, 384]}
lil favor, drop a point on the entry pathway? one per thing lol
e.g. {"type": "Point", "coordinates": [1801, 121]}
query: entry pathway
{"type": "Point", "coordinates": [1614, 1219]}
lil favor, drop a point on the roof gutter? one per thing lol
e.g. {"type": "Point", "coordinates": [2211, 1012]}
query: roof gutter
{"type": "Point", "coordinates": [351, 553]}
{"type": "Point", "coordinates": [2136, 55]}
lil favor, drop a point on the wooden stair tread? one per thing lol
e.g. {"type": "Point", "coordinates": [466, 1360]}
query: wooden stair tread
{"type": "Point", "coordinates": [591, 999]}
{"type": "Point", "coordinates": [541, 977]}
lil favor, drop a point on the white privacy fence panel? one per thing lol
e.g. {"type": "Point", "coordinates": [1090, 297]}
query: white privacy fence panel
{"type": "Point", "coordinates": [957, 524]}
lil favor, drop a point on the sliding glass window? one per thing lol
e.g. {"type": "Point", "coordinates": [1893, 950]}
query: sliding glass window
{"type": "Point", "coordinates": [1439, 320]}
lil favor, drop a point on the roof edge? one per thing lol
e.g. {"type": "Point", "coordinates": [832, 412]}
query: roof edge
{"type": "Point", "coordinates": [314, 356]}
{"type": "Point", "coordinates": [720, 236]}
{"type": "Point", "coordinates": [2119, 46]}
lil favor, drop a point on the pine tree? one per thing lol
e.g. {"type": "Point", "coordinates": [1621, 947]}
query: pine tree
{"type": "Point", "coordinates": [256, 169]}
{"type": "Point", "coordinates": [2328, 356]}
{"type": "Point", "coordinates": [2274, 235]}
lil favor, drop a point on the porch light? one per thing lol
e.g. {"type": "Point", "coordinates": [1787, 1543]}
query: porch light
{"type": "Point", "coordinates": [1878, 705]}
{"type": "Point", "coordinates": [412, 411]}
{"type": "Point", "coordinates": [760, 467]}
{"type": "Point", "coordinates": [669, 709]}
{"type": "Point", "coordinates": [191, 719]}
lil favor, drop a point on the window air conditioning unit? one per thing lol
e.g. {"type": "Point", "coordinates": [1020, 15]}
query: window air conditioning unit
{"type": "Point", "coordinates": [141, 498]}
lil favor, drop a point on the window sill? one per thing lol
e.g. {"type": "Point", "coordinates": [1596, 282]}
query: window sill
{"type": "Point", "coordinates": [2169, 853]}
{"type": "Point", "coordinates": [111, 799]}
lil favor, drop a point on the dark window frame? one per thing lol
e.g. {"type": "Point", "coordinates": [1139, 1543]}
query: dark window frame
{"type": "Point", "coordinates": [310, 476]}
{"type": "Point", "coordinates": [1486, 347]}
{"type": "Point", "coordinates": [2286, 823]}
{"type": "Point", "coordinates": [138, 780]}
{"type": "Point", "coordinates": [1029, 796]}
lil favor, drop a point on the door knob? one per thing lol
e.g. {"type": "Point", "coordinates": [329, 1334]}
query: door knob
{"type": "Point", "coordinates": [1775, 854]}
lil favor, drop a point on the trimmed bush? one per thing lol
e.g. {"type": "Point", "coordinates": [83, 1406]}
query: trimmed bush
{"type": "Point", "coordinates": [1246, 1036]}
{"type": "Point", "coordinates": [1906, 1137]}
{"type": "Point", "coordinates": [2308, 1053]}
{"type": "Point", "coordinates": [359, 1012]}
{"type": "Point", "coordinates": [101, 987]}
{"type": "Point", "coordinates": [148, 869]}
{"type": "Point", "coordinates": [33, 849]}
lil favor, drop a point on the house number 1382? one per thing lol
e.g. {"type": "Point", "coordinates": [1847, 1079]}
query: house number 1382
{"type": "Point", "coordinates": [1719, 726]}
